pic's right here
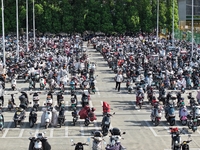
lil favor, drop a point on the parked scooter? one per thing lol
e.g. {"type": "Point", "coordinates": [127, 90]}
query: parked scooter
{"type": "Point", "coordinates": [32, 117]}
{"type": "Point", "coordinates": [105, 124]}
{"type": "Point", "coordinates": [61, 116]}
{"type": "Point", "coordinates": [79, 145]}
{"type": "Point", "coordinates": [129, 85]}
{"type": "Point", "coordinates": [170, 114]}
{"type": "Point", "coordinates": [24, 102]}
{"type": "Point", "coordinates": [36, 100]}
{"type": "Point", "coordinates": [49, 100]}
{"type": "Point", "coordinates": [75, 116]}
{"type": "Point", "coordinates": [183, 113]}
{"type": "Point", "coordinates": [13, 84]}
{"type": "Point", "coordinates": [185, 145]}
{"type": "Point", "coordinates": [176, 143]}
{"type": "Point", "coordinates": [115, 137]}
{"type": "Point", "coordinates": [11, 102]}
{"type": "Point", "coordinates": [97, 140]}
{"type": "Point", "coordinates": [85, 98]}
{"type": "Point", "coordinates": [39, 142]}
{"type": "Point", "coordinates": [19, 116]}
{"type": "Point", "coordinates": [193, 118]}
{"type": "Point", "coordinates": [60, 100]}
{"type": "Point", "coordinates": [1, 121]}
{"type": "Point", "coordinates": [42, 83]}
{"type": "Point", "coordinates": [73, 100]}
{"type": "Point", "coordinates": [48, 116]}
{"type": "Point", "coordinates": [156, 114]}
{"type": "Point", "coordinates": [92, 84]}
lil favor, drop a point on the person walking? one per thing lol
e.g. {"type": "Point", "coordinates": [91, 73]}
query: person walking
{"type": "Point", "coordinates": [118, 79]}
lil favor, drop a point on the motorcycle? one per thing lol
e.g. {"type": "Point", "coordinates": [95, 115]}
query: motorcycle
{"type": "Point", "coordinates": [105, 124]}
{"type": "Point", "coordinates": [170, 114]}
{"type": "Point", "coordinates": [156, 114]}
{"type": "Point", "coordinates": [36, 100]}
{"type": "Point", "coordinates": [115, 137]}
{"type": "Point", "coordinates": [97, 140]}
{"type": "Point", "coordinates": [39, 142]}
{"type": "Point", "coordinates": [61, 117]}
{"type": "Point", "coordinates": [32, 117]}
{"type": "Point", "coordinates": [79, 145]}
{"type": "Point", "coordinates": [183, 115]}
{"type": "Point", "coordinates": [19, 116]}
{"type": "Point", "coordinates": [75, 116]}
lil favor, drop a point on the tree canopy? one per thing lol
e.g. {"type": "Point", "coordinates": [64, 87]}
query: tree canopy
{"type": "Point", "coordinates": [108, 16]}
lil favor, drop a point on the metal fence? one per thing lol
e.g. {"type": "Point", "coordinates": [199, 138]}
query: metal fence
{"type": "Point", "coordinates": [187, 35]}
{"type": "Point", "coordinates": [183, 35]}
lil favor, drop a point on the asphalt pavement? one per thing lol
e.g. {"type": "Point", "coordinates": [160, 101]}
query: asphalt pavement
{"type": "Point", "coordinates": [141, 134]}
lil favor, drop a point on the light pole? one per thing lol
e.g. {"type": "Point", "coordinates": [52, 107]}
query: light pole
{"type": "Point", "coordinates": [192, 27]}
{"type": "Point", "coordinates": [34, 21]}
{"type": "Point", "coordinates": [27, 25]}
{"type": "Point", "coordinates": [3, 33]}
{"type": "Point", "coordinates": [157, 22]}
{"type": "Point", "coordinates": [17, 20]}
{"type": "Point", "coordinates": [173, 26]}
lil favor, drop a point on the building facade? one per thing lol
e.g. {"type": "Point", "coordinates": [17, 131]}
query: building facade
{"type": "Point", "coordinates": [185, 14]}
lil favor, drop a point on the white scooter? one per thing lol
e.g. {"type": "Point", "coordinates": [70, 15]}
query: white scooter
{"type": "Point", "coordinates": [42, 83]}
{"type": "Point", "coordinates": [48, 117]}
{"type": "Point", "coordinates": [13, 84]}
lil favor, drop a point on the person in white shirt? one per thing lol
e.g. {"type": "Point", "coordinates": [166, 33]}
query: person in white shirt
{"type": "Point", "coordinates": [118, 79]}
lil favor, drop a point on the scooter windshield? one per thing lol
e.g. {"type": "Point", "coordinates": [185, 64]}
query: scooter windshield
{"type": "Point", "coordinates": [197, 111]}
{"type": "Point", "coordinates": [171, 111]}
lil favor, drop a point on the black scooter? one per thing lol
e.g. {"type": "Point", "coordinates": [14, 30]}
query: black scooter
{"type": "Point", "coordinates": [32, 117]}
{"type": "Point", "coordinates": [79, 145]}
{"type": "Point", "coordinates": [19, 116]}
{"type": "Point", "coordinates": [105, 124]}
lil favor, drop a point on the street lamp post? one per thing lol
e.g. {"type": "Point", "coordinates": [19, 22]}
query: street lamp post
{"type": "Point", "coordinates": [17, 20]}
{"type": "Point", "coordinates": [157, 22]}
{"type": "Point", "coordinates": [3, 32]}
{"type": "Point", "coordinates": [27, 25]}
{"type": "Point", "coordinates": [34, 21]}
{"type": "Point", "coordinates": [173, 26]}
{"type": "Point", "coordinates": [192, 27]}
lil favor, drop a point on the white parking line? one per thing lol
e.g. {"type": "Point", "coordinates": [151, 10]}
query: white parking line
{"type": "Point", "coordinates": [152, 130]}
{"type": "Point", "coordinates": [66, 131]}
{"type": "Point", "coordinates": [97, 91]}
{"type": "Point", "coordinates": [6, 131]}
{"type": "Point", "coordinates": [82, 131]}
{"type": "Point", "coordinates": [51, 132]}
{"type": "Point", "coordinates": [21, 133]}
